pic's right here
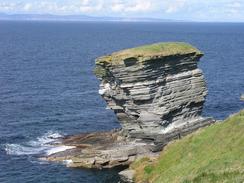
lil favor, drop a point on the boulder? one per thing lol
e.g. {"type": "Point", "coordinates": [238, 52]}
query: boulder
{"type": "Point", "coordinates": [127, 176]}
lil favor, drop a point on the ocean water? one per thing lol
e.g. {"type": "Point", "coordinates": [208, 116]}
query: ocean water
{"type": "Point", "coordinates": [47, 88]}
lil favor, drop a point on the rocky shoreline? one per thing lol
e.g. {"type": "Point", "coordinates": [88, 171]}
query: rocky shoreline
{"type": "Point", "coordinates": [157, 93]}
{"type": "Point", "coordinates": [111, 149]}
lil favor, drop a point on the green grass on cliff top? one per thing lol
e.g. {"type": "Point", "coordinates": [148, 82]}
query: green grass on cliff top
{"type": "Point", "coordinates": [162, 49]}
{"type": "Point", "coordinates": [213, 154]}
{"type": "Point", "coordinates": [165, 48]}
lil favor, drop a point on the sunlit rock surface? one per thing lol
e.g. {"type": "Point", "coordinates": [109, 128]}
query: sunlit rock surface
{"type": "Point", "coordinates": [157, 93]}
{"type": "Point", "coordinates": [154, 88]}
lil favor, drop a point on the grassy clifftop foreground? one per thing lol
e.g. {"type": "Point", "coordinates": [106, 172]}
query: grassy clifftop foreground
{"type": "Point", "coordinates": [213, 154]}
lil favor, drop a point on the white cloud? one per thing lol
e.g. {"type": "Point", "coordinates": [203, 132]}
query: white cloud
{"type": "Point", "coordinates": [132, 6]}
{"type": "Point", "coordinates": [139, 6]}
{"type": "Point", "coordinates": [174, 6]}
{"type": "Point", "coordinates": [27, 6]}
{"type": "Point", "coordinates": [233, 8]}
{"type": "Point", "coordinates": [169, 9]}
{"type": "Point", "coordinates": [85, 2]}
{"type": "Point", "coordinates": [234, 5]}
{"type": "Point", "coordinates": [88, 7]}
{"type": "Point", "coordinates": [55, 7]}
{"type": "Point", "coordinates": [117, 7]}
{"type": "Point", "coordinates": [7, 6]}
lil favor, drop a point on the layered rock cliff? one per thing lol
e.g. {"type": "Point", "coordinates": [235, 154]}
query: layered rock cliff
{"type": "Point", "coordinates": [157, 93]}
{"type": "Point", "coordinates": [153, 89]}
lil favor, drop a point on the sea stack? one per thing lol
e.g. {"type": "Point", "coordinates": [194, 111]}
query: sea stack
{"type": "Point", "coordinates": [157, 93]}
{"type": "Point", "coordinates": [153, 89]}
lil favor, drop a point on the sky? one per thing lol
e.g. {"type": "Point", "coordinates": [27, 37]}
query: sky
{"type": "Point", "coordinates": [193, 10]}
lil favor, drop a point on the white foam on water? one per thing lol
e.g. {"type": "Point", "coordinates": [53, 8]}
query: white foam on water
{"type": "Point", "coordinates": [58, 149]}
{"type": "Point", "coordinates": [17, 149]}
{"type": "Point", "coordinates": [67, 162]}
{"type": "Point", "coordinates": [47, 144]}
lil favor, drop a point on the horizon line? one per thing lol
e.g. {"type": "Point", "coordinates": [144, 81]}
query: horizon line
{"type": "Point", "coordinates": [112, 18]}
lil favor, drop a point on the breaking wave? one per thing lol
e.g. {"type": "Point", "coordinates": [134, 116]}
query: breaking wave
{"type": "Point", "coordinates": [47, 144]}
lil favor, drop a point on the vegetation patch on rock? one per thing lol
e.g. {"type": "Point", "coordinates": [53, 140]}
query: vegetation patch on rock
{"type": "Point", "coordinates": [163, 49]}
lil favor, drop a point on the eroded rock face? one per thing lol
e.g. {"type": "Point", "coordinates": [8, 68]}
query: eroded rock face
{"type": "Point", "coordinates": [153, 89]}
{"type": "Point", "coordinates": [157, 93]}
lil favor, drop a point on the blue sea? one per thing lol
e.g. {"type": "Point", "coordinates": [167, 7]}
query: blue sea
{"type": "Point", "coordinates": [48, 90]}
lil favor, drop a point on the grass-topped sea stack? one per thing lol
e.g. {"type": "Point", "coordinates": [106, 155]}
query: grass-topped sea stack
{"type": "Point", "coordinates": [157, 93]}
{"type": "Point", "coordinates": [154, 89]}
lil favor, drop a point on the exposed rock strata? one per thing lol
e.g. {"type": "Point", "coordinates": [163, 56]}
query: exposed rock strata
{"type": "Point", "coordinates": [153, 89]}
{"type": "Point", "coordinates": [157, 93]}
{"type": "Point", "coordinates": [100, 150]}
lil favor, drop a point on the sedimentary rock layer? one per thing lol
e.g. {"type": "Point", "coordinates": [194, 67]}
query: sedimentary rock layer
{"type": "Point", "coordinates": [154, 88]}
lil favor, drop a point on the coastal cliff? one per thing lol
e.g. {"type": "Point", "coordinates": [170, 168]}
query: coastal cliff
{"type": "Point", "coordinates": [153, 89]}
{"type": "Point", "coordinates": [157, 93]}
